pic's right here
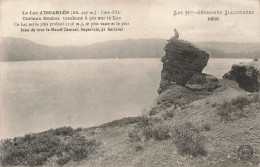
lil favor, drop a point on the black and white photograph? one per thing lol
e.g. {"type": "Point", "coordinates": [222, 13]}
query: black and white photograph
{"type": "Point", "coordinates": [130, 83]}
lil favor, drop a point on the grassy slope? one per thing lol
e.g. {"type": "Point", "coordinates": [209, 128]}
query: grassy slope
{"type": "Point", "coordinates": [222, 139]}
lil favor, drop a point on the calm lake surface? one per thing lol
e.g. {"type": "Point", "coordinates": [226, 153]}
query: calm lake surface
{"type": "Point", "coordinates": [39, 95]}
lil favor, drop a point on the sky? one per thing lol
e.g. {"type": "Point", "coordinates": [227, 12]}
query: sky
{"type": "Point", "coordinates": [147, 18]}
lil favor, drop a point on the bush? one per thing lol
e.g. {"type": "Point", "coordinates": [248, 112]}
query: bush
{"type": "Point", "coordinates": [213, 104]}
{"type": "Point", "coordinates": [148, 121]}
{"type": "Point", "coordinates": [37, 160]}
{"type": "Point", "coordinates": [168, 114]}
{"type": "Point", "coordinates": [206, 126]}
{"type": "Point", "coordinates": [122, 122]}
{"type": "Point", "coordinates": [62, 161]}
{"type": "Point", "coordinates": [225, 110]}
{"type": "Point", "coordinates": [146, 126]}
{"type": "Point", "coordinates": [148, 132]}
{"type": "Point", "coordinates": [35, 149]}
{"type": "Point", "coordinates": [149, 128]}
{"type": "Point", "coordinates": [138, 147]}
{"type": "Point", "coordinates": [233, 109]}
{"type": "Point", "coordinates": [30, 150]}
{"type": "Point", "coordinates": [255, 97]}
{"type": "Point", "coordinates": [161, 132]}
{"type": "Point", "coordinates": [28, 137]}
{"type": "Point", "coordinates": [188, 140]}
{"type": "Point", "coordinates": [134, 135]}
{"type": "Point", "coordinates": [64, 131]}
{"type": "Point", "coordinates": [79, 147]}
{"type": "Point", "coordinates": [79, 129]}
{"type": "Point", "coordinates": [153, 112]}
{"type": "Point", "coordinates": [240, 102]}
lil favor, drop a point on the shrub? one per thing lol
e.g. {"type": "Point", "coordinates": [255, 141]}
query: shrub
{"type": "Point", "coordinates": [148, 128]}
{"type": "Point", "coordinates": [62, 161]}
{"type": "Point", "coordinates": [224, 110]}
{"type": "Point", "coordinates": [134, 135]}
{"type": "Point", "coordinates": [35, 149]}
{"type": "Point", "coordinates": [148, 121]}
{"type": "Point", "coordinates": [148, 132]}
{"type": "Point", "coordinates": [153, 112]}
{"type": "Point", "coordinates": [206, 126]}
{"type": "Point", "coordinates": [37, 159]}
{"type": "Point", "coordinates": [183, 107]}
{"type": "Point", "coordinates": [157, 132]}
{"type": "Point", "coordinates": [161, 132]}
{"type": "Point", "coordinates": [255, 97]}
{"type": "Point", "coordinates": [122, 122]}
{"type": "Point", "coordinates": [234, 108]}
{"type": "Point", "coordinates": [213, 104]}
{"type": "Point", "coordinates": [138, 147]}
{"type": "Point", "coordinates": [76, 149]}
{"type": "Point", "coordinates": [30, 150]}
{"type": "Point", "coordinates": [28, 137]}
{"type": "Point", "coordinates": [188, 140]}
{"type": "Point", "coordinates": [64, 131]}
{"type": "Point", "coordinates": [168, 114]}
{"type": "Point", "coordinates": [79, 147]}
{"type": "Point", "coordinates": [240, 102]}
{"type": "Point", "coordinates": [79, 129]}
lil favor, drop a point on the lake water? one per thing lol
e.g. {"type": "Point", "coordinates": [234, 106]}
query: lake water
{"type": "Point", "coordinates": [39, 95]}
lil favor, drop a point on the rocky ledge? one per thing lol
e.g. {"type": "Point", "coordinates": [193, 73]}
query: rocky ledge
{"type": "Point", "coordinates": [199, 82]}
{"type": "Point", "coordinates": [246, 75]}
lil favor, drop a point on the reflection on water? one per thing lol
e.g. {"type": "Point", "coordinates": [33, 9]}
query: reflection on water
{"type": "Point", "coordinates": [39, 95]}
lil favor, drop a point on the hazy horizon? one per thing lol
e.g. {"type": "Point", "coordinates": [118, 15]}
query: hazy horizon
{"type": "Point", "coordinates": [126, 40]}
{"type": "Point", "coordinates": [147, 20]}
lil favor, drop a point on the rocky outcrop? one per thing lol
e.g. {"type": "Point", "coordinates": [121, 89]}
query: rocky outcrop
{"type": "Point", "coordinates": [246, 75]}
{"type": "Point", "coordinates": [202, 81]}
{"type": "Point", "coordinates": [181, 61]}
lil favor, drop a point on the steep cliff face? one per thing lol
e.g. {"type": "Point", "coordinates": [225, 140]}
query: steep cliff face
{"type": "Point", "coordinates": [246, 75]}
{"type": "Point", "coordinates": [181, 61]}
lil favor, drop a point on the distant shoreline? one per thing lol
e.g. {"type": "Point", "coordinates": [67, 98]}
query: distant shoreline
{"type": "Point", "coordinates": [18, 49]}
{"type": "Point", "coordinates": [120, 59]}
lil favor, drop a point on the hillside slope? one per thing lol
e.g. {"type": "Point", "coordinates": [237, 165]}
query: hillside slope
{"type": "Point", "coordinates": [150, 140]}
{"type": "Point", "coordinates": [18, 49]}
{"type": "Point", "coordinates": [222, 137]}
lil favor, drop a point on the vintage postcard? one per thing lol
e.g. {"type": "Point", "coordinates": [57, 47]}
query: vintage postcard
{"type": "Point", "coordinates": [130, 83]}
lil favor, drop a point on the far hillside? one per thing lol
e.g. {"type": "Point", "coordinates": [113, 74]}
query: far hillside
{"type": "Point", "coordinates": [18, 49]}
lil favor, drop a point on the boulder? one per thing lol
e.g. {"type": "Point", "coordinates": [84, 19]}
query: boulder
{"type": "Point", "coordinates": [246, 75]}
{"type": "Point", "coordinates": [181, 61]}
{"type": "Point", "coordinates": [202, 81]}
